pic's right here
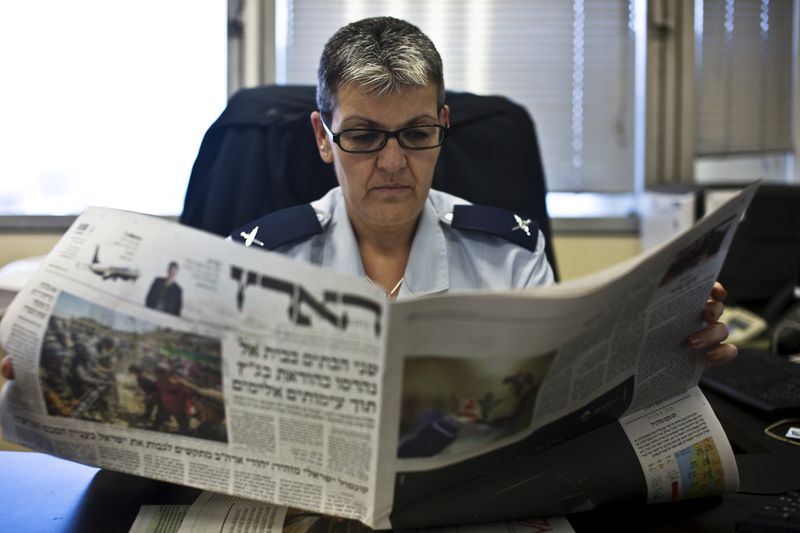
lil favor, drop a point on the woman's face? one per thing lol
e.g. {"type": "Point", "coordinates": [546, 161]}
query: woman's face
{"type": "Point", "coordinates": [383, 190]}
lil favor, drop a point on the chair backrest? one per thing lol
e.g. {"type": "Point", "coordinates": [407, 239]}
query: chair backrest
{"type": "Point", "coordinates": [260, 156]}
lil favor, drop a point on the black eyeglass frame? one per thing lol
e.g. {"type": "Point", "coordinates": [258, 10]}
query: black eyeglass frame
{"type": "Point", "coordinates": [386, 136]}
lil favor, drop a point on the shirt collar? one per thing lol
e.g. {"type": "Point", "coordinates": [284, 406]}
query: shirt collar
{"type": "Point", "coordinates": [427, 270]}
{"type": "Point", "coordinates": [341, 254]}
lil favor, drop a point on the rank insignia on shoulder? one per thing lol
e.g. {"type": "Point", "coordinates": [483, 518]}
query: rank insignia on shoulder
{"type": "Point", "coordinates": [279, 227]}
{"type": "Point", "coordinates": [250, 238]}
{"type": "Point", "coordinates": [496, 221]}
{"type": "Point", "coordinates": [521, 224]}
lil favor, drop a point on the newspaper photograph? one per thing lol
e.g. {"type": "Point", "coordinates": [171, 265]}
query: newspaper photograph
{"type": "Point", "coordinates": [154, 349]}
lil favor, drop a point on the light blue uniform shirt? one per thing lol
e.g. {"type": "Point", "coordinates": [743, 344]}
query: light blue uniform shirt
{"type": "Point", "coordinates": [442, 257]}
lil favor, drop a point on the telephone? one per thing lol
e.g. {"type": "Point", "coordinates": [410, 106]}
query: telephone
{"type": "Point", "coordinates": [743, 325]}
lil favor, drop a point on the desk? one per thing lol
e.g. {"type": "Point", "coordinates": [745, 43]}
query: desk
{"type": "Point", "coordinates": [40, 493]}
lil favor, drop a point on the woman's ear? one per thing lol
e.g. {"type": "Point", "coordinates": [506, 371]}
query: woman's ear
{"type": "Point", "coordinates": [321, 136]}
{"type": "Point", "coordinates": [444, 116]}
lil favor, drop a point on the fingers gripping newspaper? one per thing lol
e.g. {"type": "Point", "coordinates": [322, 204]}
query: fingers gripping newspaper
{"type": "Point", "coordinates": [154, 349]}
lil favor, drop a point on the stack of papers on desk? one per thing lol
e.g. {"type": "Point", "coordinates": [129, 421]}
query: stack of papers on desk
{"type": "Point", "coordinates": [218, 513]}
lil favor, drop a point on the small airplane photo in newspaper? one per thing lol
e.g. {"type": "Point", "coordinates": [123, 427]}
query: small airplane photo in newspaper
{"type": "Point", "coordinates": [112, 272]}
{"type": "Point", "coordinates": [250, 238]}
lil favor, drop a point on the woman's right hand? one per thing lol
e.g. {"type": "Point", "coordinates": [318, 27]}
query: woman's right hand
{"type": "Point", "coordinates": [6, 368]}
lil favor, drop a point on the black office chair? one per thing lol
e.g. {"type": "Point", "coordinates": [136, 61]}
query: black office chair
{"type": "Point", "coordinates": [260, 155]}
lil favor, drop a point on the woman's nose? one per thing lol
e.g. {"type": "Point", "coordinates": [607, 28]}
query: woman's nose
{"type": "Point", "coordinates": [393, 156]}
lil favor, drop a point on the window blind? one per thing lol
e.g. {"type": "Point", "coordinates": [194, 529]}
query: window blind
{"type": "Point", "coordinates": [743, 86]}
{"type": "Point", "coordinates": [570, 63]}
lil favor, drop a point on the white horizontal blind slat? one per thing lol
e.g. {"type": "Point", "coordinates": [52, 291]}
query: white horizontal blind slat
{"type": "Point", "coordinates": [744, 77]}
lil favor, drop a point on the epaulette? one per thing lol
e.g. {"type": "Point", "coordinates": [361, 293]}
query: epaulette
{"type": "Point", "coordinates": [519, 230]}
{"type": "Point", "coordinates": [279, 227]}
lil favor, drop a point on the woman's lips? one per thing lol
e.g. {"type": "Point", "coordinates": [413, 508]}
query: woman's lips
{"type": "Point", "coordinates": [391, 188]}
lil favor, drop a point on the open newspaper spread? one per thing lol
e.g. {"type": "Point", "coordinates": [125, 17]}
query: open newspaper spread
{"type": "Point", "coordinates": [255, 375]}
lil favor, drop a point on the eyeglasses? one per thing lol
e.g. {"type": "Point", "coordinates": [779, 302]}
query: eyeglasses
{"type": "Point", "coordinates": [366, 140]}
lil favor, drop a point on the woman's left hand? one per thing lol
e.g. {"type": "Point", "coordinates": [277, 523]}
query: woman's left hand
{"type": "Point", "coordinates": [711, 338]}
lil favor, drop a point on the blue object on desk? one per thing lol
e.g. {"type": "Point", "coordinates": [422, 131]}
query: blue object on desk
{"type": "Point", "coordinates": [44, 494]}
{"type": "Point", "coordinates": [29, 479]}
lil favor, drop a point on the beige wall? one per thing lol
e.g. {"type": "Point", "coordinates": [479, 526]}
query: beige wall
{"type": "Point", "coordinates": [581, 254]}
{"type": "Point", "coordinates": [20, 245]}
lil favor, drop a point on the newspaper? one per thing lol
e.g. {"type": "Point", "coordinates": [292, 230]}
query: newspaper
{"type": "Point", "coordinates": [154, 349]}
{"type": "Point", "coordinates": [218, 513]}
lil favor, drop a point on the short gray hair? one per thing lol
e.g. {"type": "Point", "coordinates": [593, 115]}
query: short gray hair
{"type": "Point", "coordinates": [381, 55]}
